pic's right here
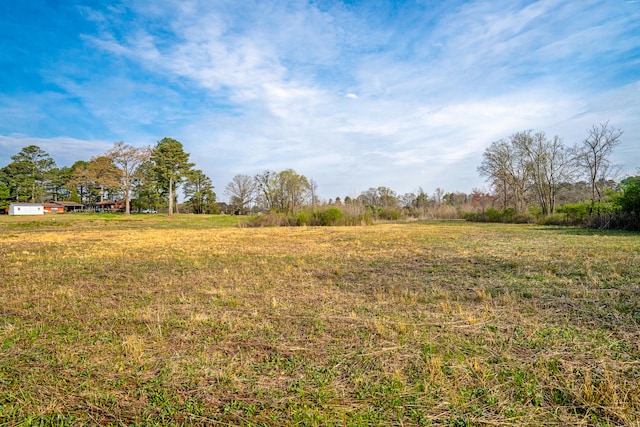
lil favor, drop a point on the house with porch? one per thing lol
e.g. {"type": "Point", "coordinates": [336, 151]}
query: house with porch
{"type": "Point", "coordinates": [71, 206]}
{"type": "Point", "coordinates": [60, 207]}
{"type": "Point", "coordinates": [106, 206]}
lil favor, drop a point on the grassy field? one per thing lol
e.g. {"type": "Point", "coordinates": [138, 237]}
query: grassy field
{"type": "Point", "coordinates": [194, 321]}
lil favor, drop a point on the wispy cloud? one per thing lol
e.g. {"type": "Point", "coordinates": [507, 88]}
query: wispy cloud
{"type": "Point", "coordinates": [67, 150]}
{"type": "Point", "coordinates": [352, 95]}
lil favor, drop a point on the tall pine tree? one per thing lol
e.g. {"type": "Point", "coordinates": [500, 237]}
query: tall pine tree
{"type": "Point", "coordinates": [170, 164]}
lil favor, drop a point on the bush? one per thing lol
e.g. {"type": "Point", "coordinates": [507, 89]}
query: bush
{"type": "Point", "coordinates": [324, 216]}
{"type": "Point", "coordinates": [331, 215]}
{"type": "Point", "coordinates": [493, 215]}
{"type": "Point", "coordinates": [269, 219]}
{"type": "Point", "coordinates": [302, 218]}
{"type": "Point", "coordinates": [629, 200]}
{"type": "Point", "coordinates": [553, 219]}
{"type": "Point", "coordinates": [389, 214]}
{"type": "Point", "coordinates": [575, 213]}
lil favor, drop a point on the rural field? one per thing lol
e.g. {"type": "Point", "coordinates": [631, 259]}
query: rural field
{"type": "Point", "coordinates": [193, 320]}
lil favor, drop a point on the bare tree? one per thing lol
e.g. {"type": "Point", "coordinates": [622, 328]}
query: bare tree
{"type": "Point", "coordinates": [242, 192]}
{"type": "Point", "coordinates": [437, 196]}
{"type": "Point", "coordinates": [548, 163]}
{"type": "Point", "coordinates": [422, 201]}
{"type": "Point", "coordinates": [313, 192]}
{"type": "Point", "coordinates": [481, 198]}
{"type": "Point", "coordinates": [593, 158]}
{"type": "Point", "coordinates": [128, 159]}
{"type": "Point", "coordinates": [507, 172]}
{"type": "Point", "coordinates": [408, 200]}
{"type": "Point", "coordinates": [267, 190]}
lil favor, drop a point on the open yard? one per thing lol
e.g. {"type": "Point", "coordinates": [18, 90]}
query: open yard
{"type": "Point", "coordinates": [193, 320]}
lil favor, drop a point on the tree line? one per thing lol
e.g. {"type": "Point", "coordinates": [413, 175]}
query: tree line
{"type": "Point", "coordinates": [150, 177]}
{"type": "Point", "coordinates": [145, 177]}
{"type": "Point", "coordinates": [530, 175]}
{"type": "Point", "coordinates": [529, 167]}
{"type": "Point", "coordinates": [530, 171]}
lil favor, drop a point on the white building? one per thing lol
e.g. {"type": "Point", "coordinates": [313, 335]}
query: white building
{"type": "Point", "coordinates": [26, 209]}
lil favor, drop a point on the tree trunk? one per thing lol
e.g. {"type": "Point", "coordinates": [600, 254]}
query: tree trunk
{"type": "Point", "coordinates": [170, 196]}
{"type": "Point", "coordinates": [127, 208]}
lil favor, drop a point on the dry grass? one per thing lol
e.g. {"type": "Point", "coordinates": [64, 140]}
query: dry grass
{"type": "Point", "coordinates": [184, 321]}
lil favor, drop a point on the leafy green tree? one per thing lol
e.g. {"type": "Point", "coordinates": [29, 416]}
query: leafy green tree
{"type": "Point", "coordinates": [100, 175]}
{"type": "Point", "coordinates": [199, 193]}
{"type": "Point", "coordinates": [295, 190]}
{"type": "Point", "coordinates": [421, 201]}
{"type": "Point", "coordinates": [171, 165]}
{"type": "Point", "coordinates": [74, 196]}
{"type": "Point", "coordinates": [456, 198]}
{"type": "Point", "coordinates": [6, 179]}
{"type": "Point", "coordinates": [29, 171]}
{"type": "Point", "coordinates": [285, 191]}
{"type": "Point", "coordinates": [381, 197]}
{"type": "Point", "coordinates": [5, 196]}
{"type": "Point", "coordinates": [629, 200]}
{"type": "Point", "coordinates": [146, 189]}
{"type": "Point", "coordinates": [58, 181]}
{"type": "Point", "coordinates": [76, 188]}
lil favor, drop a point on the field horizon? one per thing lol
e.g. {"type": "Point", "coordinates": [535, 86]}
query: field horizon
{"type": "Point", "coordinates": [193, 320]}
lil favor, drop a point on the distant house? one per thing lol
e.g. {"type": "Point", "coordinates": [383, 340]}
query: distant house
{"type": "Point", "coordinates": [60, 207]}
{"type": "Point", "coordinates": [223, 207]}
{"type": "Point", "coordinates": [26, 209]}
{"type": "Point", "coordinates": [71, 206]}
{"type": "Point", "coordinates": [106, 206]}
{"type": "Point", "coordinates": [53, 207]}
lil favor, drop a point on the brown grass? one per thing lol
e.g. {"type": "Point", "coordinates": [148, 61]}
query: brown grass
{"type": "Point", "coordinates": [179, 321]}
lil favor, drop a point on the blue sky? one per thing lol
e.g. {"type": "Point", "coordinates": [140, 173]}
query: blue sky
{"type": "Point", "coordinates": [354, 94]}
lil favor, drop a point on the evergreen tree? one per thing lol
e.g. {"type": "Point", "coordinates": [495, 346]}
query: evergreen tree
{"type": "Point", "coordinates": [171, 165]}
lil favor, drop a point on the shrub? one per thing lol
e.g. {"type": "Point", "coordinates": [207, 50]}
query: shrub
{"type": "Point", "coordinates": [494, 215]}
{"type": "Point", "coordinates": [302, 218]}
{"type": "Point", "coordinates": [575, 213]}
{"type": "Point", "coordinates": [269, 219]}
{"type": "Point", "coordinates": [629, 200]}
{"type": "Point", "coordinates": [389, 214]}
{"type": "Point", "coordinates": [331, 215]}
{"type": "Point", "coordinates": [553, 219]}
{"type": "Point", "coordinates": [324, 216]}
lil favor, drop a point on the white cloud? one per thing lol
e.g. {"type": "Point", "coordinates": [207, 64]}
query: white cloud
{"type": "Point", "coordinates": [65, 151]}
{"type": "Point", "coordinates": [248, 86]}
